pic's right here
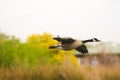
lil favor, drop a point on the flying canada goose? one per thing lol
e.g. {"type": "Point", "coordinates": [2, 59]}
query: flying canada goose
{"type": "Point", "coordinates": [67, 43]}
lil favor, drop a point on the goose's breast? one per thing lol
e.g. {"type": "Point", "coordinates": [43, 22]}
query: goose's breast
{"type": "Point", "coordinates": [72, 45]}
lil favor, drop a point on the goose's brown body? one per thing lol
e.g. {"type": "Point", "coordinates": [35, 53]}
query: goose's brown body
{"type": "Point", "coordinates": [67, 43]}
{"type": "Point", "coordinates": [69, 46]}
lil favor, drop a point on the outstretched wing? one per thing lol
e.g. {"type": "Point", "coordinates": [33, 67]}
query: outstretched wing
{"type": "Point", "coordinates": [82, 49]}
{"type": "Point", "coordinates": [64, 40]}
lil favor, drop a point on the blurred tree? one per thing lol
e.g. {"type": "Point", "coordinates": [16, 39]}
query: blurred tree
{"type": "Point", "coordinates": [8, 47]}
{"type": "Point", "coordinates": [33, 52]}
{"type": "Point", "coordinates": [39, 47]}
{"type": "Point", "coordinates": [42, 43]}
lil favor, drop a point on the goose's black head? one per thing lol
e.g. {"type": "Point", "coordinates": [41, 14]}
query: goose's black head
{"type": "Point", "coordinates": [96, 40]}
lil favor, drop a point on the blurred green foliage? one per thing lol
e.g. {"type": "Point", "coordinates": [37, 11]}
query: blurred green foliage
{"type": "Point", "coordinates": [13, 52]}
{"type": "Point", "coordinates": [30, 53]}
{"type": "Point", "coordinates": [8, 49]}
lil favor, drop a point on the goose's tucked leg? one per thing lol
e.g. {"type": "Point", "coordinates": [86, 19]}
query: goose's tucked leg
{"type": "Point", "coordinates": [55, 46]}
{"type": "Point", "coordinates": [58, 46]}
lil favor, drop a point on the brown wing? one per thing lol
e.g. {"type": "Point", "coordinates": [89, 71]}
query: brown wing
{"type": "Point", "coordinates": [82, 49]}
{"type": "Point", "coordinates": [64, 40]}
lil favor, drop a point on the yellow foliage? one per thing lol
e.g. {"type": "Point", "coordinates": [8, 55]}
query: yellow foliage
{"type": "Point", "coordinates": [45, 40]}
{"type": "Point", "coordinates": [73, 60]}
{"type": "Point", "coordinates": [66, 57]}
{"type": "Point", "coordinates": [58, 58]}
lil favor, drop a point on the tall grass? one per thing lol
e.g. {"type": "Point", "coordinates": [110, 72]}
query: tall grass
{"type": "Point", "coordinates": [61, 72]}
{"type": "Point", "coordinates": [41, 73]}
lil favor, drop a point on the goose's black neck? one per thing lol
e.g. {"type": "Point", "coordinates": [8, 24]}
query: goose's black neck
{"type": "Point", "coordinates": [89, 40]}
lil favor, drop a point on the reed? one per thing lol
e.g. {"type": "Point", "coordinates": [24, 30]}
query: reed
{"type": "Point", "coordinates": [61, 72]}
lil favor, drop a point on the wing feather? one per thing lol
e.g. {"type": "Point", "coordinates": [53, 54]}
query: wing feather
{"type": "Point", "coordinates": [82, 49]}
